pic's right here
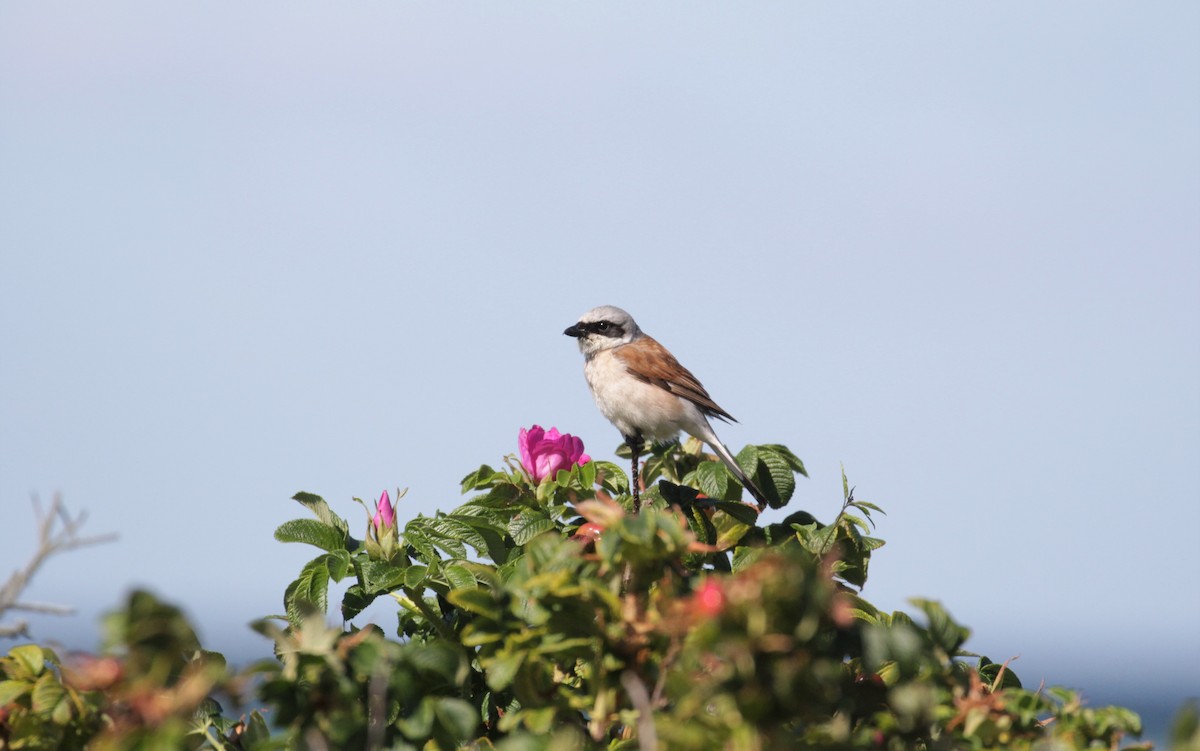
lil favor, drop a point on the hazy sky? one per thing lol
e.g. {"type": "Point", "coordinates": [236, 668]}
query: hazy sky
{"type": "Point", "coordinates": [252, 249]}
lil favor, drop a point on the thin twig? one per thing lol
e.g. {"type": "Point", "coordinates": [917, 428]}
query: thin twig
{"type": "Point", "coordinates": [58, 532]}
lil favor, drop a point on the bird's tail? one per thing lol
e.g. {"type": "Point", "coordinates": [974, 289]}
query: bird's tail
{"type": "Point", "coordinates": [715, 444]}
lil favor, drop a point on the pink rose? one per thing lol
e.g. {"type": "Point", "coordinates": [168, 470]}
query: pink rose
{"type": "Point", "coordinates": [544, 452]}
{"type": "Point", "coordinates": [385, 515]}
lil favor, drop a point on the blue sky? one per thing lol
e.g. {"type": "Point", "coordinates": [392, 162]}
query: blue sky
{"type": "Point", "coordinates": [247, 251]}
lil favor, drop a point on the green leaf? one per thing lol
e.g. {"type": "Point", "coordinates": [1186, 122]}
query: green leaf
{"type": "Point", "coordinates": [946, 633]}
{"type": "Point", "coordinates": [739, 511]}
{"type": "Point", "coordinates": [587, 474]}
{"type": "Point", "coordinates": [867, 505]}
{"type": "Point", "coordinates": [338, 564]}
{"type": "Point", "coordinates": [256, 733]}
{"type": "Point", "coordinates": [612, 478]}
{"type": "Point", "coordinates": [730, 527]}
{"type": "Point", "coordinates": [493, 539]}
{"type": "Point", "coordinates": [499, 497]}
{"type": "Point", "coordinates": [47, 693]}
{"type": "Point", "coordinates": [481, 478]}
{"type": "Point", "coordinates": [528, 525]}
{"type": "Point", "coordinates": [320, 508]}
{"type": "Point", "coordinates": [312, 586]}
{"type": "Point", "coordinates": [30, 659]}
{"type": "Point", "coordinates": [10, 691]}
{"type": "Point", "coordinates": [458, 577]}
{"type": "Point", "coordinates": [777, 477]}
{"type": "Point", "coordinates": [539, 720]}
{"type": "Point", "coordinates": [419, 723]}
{"type": "Point", "coordinates": [414, 577]}
{"type": "Point", "coordinates": [458, 717]}
{"type": "Point", "coordinates": [355, 601]}
{"type": "Point", "coordinates": [311, 532]}
{"type": "Point", "coordinates": [990, 671]}
{"type": "Point", "coordinates": [856, 520]}
{"type": "Point", "coordinates": [713, 479]}
{"type": "Point", "coordinates": [503, 668]}
{"type": "Point", "coordinates": [382, 576]}
{"type": "Point", "coordinates": [478, 601]}
{"type": "Point", "coordinates": [793, 461]}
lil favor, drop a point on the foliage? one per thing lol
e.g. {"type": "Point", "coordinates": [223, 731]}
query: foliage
{"type": "Point", "coordinates": [548, 615]}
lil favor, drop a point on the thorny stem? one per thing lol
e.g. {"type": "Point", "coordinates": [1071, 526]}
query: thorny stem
{"type": "Point", "coordinates": [635, 449]}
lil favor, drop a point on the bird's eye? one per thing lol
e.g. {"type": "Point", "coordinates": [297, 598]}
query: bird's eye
{"type": "Point", "coordinates": [603, 326]}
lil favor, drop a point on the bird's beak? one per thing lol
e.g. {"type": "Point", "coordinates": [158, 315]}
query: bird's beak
{"type": "Point", "coordinates": [574, 331]}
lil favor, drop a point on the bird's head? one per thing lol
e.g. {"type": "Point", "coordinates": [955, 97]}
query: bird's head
{"type": "Point", "coordinates": [603, 328]}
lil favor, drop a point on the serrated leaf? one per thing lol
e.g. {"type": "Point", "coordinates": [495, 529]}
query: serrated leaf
{"type": "Point", "coordinates": [312, 586]}
{"type": "Point", "coordinates": [871, 543]}
{"type": "Point", "coordinates": [338, 564]}
{"type": "Point", "coordinates": [460, 528]}
{"type": "Point", "coordinates": [414, 577]}
{"type": "Point", "coordinates": [713, 479]}
{"type": "Point", "coordinates": [437, 532]}
{"type": "Point", "coordinates": [480, 478]}
{"type": "Point", "coordinates": [817, 541]}
{"type": "Point", "coordinates": [47, 693]}
{"type": "Point", "coordinates": [311, 532]}
{"type": "Point", "coordinates": [612, 478]}
{"type": "Point", "coordinates": [30, 659]}
{"type": "Point", "coordinates": [320, 508]}
{"type": "Point", "coordinates": [856, 520]}
{"type": "Point", "coordinates": [354, 601]}
{"type": "Point", "coordinates": [458, 577]}
{"type": "Point", "coordinates": [747, 459]}
{"type": "Point", "coordinates": [778, 476]}
{"type": "Point", "coordinates": [382, 576]}
{"type": "Point", "coordinates": [478, 601]}
{"type": "Point", "coordinates": [793, 461]}
{"type": "Point", "coordinates": [528, 525]}
{"type": "Point", "coordinates": [499, 497]}
{"type": "Point", "coordinates": [10, 691]}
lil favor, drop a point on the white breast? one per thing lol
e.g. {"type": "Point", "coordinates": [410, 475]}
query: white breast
{"type": "Point", "coordinates": [635, 406]}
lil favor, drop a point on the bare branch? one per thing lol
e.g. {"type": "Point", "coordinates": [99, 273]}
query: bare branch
{"type": "Point", "coordinates": [58, 532]}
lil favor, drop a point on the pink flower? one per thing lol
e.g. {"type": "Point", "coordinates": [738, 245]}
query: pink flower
{"type": "Point", "coordinates": [709, 599]}
{"type": "Point", "coordinates": [544, 452]}
{"type": "Point", "coordinates": [385, 515]}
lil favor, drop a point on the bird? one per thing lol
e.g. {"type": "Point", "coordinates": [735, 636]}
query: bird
{"type": "Point", "coordinates": [644, 391]}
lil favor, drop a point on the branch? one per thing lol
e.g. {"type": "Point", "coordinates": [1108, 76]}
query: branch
{"type": "Point", "coordinates": [640, 698]}
{"type": "Point", "coordinates": [58, 532]}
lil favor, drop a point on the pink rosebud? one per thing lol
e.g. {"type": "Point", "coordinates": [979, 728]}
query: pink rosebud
{"type": "Point", "coordinates": [385, 515]}
{"type": "Point", "coordinates": [544, 452]}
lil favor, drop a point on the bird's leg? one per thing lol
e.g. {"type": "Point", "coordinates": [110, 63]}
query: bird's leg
{"type": "Point", "coordinates": [635, 448]}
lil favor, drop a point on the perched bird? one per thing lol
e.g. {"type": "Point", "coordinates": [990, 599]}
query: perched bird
{"type": "Point", "coordinates": [643, 390]}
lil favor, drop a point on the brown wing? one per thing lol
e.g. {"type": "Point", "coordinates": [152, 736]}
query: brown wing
{"type": "Point", "coordinates": [649, 361]}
